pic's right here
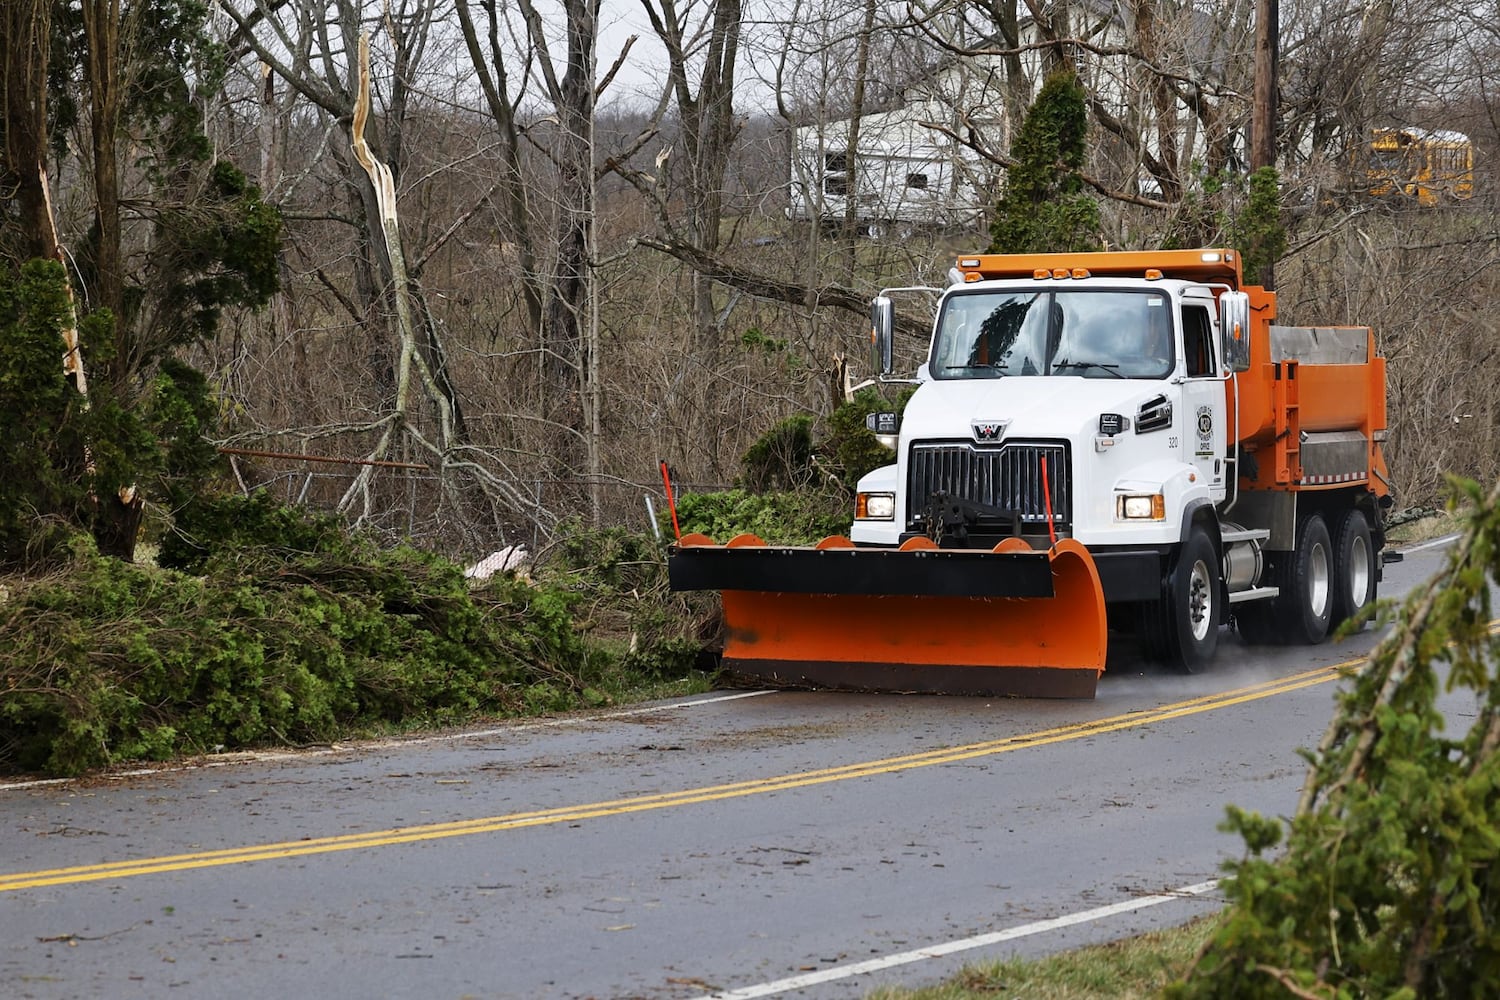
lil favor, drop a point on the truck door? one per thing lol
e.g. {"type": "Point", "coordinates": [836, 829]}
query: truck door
{"type": "Point", "coordinates": [1204, 433]}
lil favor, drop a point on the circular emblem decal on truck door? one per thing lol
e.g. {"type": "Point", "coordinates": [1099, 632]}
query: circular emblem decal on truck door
{"type": "Point", "coordinates": [1205, 430]}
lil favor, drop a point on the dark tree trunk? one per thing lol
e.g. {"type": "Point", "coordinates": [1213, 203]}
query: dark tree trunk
{"type": "Point", "coordinates": [25, 38]}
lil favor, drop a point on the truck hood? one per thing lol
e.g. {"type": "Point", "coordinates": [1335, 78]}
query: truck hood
{"type": "Point", "coordinates": [1051, 407]}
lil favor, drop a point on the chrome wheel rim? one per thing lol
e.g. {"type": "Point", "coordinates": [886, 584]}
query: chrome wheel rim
{"type": "Point", "coordinates": [1359, 574]}
{"type": "Point", "coordinates": [1318, 581]}
{"type": "Point", "coordinates": [1200, 601]}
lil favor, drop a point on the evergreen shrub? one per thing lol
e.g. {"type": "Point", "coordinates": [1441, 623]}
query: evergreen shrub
{"type": "Point", "coordinates": [1389, 882]}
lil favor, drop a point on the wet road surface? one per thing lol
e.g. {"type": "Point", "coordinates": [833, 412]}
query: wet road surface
{"type": "Point", "coordinates": [754, 843]}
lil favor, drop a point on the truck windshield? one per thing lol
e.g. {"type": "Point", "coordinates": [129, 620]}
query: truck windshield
{"type": "Point", "coordinates": [1088, 334]}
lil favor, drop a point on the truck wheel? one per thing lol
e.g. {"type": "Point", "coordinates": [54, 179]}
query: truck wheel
{"type": "Point", "coordinates": [1182, 629]}
{"type": "Point", "coordinates": [1301, 613]}
{"type": "Point", "coordinates": [1354, 572]}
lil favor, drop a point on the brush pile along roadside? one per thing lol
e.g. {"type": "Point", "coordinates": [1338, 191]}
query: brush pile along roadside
{"type": "Point", "coordinates": [274, 626]}
{"type": "Point", "coordinates": [266, 624]}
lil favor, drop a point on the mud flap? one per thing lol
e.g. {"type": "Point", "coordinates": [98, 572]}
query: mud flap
{"type": "Point", "coordinates": [1010, 621]}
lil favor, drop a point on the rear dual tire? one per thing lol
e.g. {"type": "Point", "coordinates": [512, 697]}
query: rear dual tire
{"type": "Point", "coordinates": [1303, 610]}
{"type": "Point", "coordinates": [1356, 574]}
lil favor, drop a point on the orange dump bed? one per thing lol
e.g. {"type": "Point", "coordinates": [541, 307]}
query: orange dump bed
{"type": "Point", "coordinates": [1312, 407]}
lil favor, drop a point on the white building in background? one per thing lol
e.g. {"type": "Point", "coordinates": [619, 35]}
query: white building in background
{"type": "Point", "coordinates": [909, 170]}
{"type": "Point", "coordinates": [913, 168]}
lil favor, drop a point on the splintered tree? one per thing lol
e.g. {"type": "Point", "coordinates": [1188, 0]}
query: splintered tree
{"type": "Point", "coordinates": [1044, 208]}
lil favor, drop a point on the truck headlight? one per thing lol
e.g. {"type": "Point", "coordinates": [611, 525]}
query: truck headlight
{"type": "Point", "coordinates": [875, 507]}
{"type": "Point", "coordinates": [1141, 508]}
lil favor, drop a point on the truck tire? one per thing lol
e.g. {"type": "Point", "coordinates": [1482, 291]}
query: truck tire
{"type": "Point", "coordinates": [1354, 570]}
{"type": "Point", "coordinates": [1181, 629]}
{"type": "Point", "coordinates": [1302, 612]}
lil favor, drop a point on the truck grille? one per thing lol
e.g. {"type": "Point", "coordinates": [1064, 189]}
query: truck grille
{"type": "Point", "coordinates": [1009, 477]}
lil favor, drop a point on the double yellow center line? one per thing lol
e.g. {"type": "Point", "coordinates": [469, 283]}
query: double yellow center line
{"type": "Point", "coordinates": [116, 870]}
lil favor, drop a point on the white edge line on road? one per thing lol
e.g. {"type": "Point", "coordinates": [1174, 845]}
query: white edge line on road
{"type": "Point", "coordinates": [393, 744]}
{"type": "Point", "coordinates": [963, 944]}
{"type": "Point", "coordinates": [1435, 543]}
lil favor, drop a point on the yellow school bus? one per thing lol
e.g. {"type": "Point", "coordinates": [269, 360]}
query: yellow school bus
{"type": "Point", "coordinates": [1431, 166]}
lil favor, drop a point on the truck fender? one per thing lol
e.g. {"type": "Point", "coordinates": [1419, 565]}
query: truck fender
{"type": "Point", "coordinates": [1192, 510]}
{"type": "Point", "coordinates": [879, 479]}
{"type": "Point", "coordinates": [1201, 508]}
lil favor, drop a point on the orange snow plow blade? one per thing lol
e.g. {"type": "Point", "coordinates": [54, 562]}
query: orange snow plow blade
{"type": "Point", "coordinates": [1007, 621]}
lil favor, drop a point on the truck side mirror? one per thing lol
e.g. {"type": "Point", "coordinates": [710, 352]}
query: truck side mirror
{"type": "Point", "coordinates": [882, 333]}
{"type": "Point", "coordinates": [1234, 329]}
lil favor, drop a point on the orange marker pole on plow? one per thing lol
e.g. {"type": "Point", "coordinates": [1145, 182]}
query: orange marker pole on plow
{"type": "Point", "coordinates": [666, 481]}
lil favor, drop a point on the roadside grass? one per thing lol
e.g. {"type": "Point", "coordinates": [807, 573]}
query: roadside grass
{"type": "Point", "coordinates": [1132, 969]}
{"type": "Point", "coordinates": [1422, 525]}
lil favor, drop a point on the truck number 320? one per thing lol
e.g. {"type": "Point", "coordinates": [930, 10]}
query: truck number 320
{"type": "Point", "coordinates": [1171, 442]}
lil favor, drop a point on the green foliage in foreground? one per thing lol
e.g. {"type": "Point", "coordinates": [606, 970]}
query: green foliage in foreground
{"type": "Point", "coordinates": [851, 445]}
{"type": "Point", "coordinates": [66, 456]}
{"type": "Point", "coordinates": [41, 416]}
{"type": "Point", "coordinates": [1389, 884]}
{"type": "Point", "coordinates": [781, 458]}
{"type": "Point", "coordinates": [307, 634]}
{"type": "Point", "coordinates": [616, 582]}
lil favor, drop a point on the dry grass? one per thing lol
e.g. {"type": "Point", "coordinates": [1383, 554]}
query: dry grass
{"type": "Point", "coordinates": [1124, 970]}
{"type": "Point", "coordinates": [1423, 528]}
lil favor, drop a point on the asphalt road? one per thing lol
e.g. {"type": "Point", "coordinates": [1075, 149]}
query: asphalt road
{"type": "Point", "coordinates": [747, 843]}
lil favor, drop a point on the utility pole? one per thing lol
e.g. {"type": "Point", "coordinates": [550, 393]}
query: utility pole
{"type": "Point", "coordinates": [1263, 114]}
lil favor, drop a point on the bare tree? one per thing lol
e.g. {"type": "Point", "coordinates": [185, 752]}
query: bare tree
{"type": "Point", "coordinates": [572, 96]}
{"type": "Point", "coordinates": [489, 64]}
{"type": "Point", "coordinates": [308, 45]}
{"type": "Point", "coordinates": [706, 127]}
{"type": "Point", "coordinates": [618, 283]}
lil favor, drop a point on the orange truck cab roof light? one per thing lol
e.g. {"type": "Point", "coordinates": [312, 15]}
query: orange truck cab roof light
{"type": "Point", "coordinates": [1209, 266]}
